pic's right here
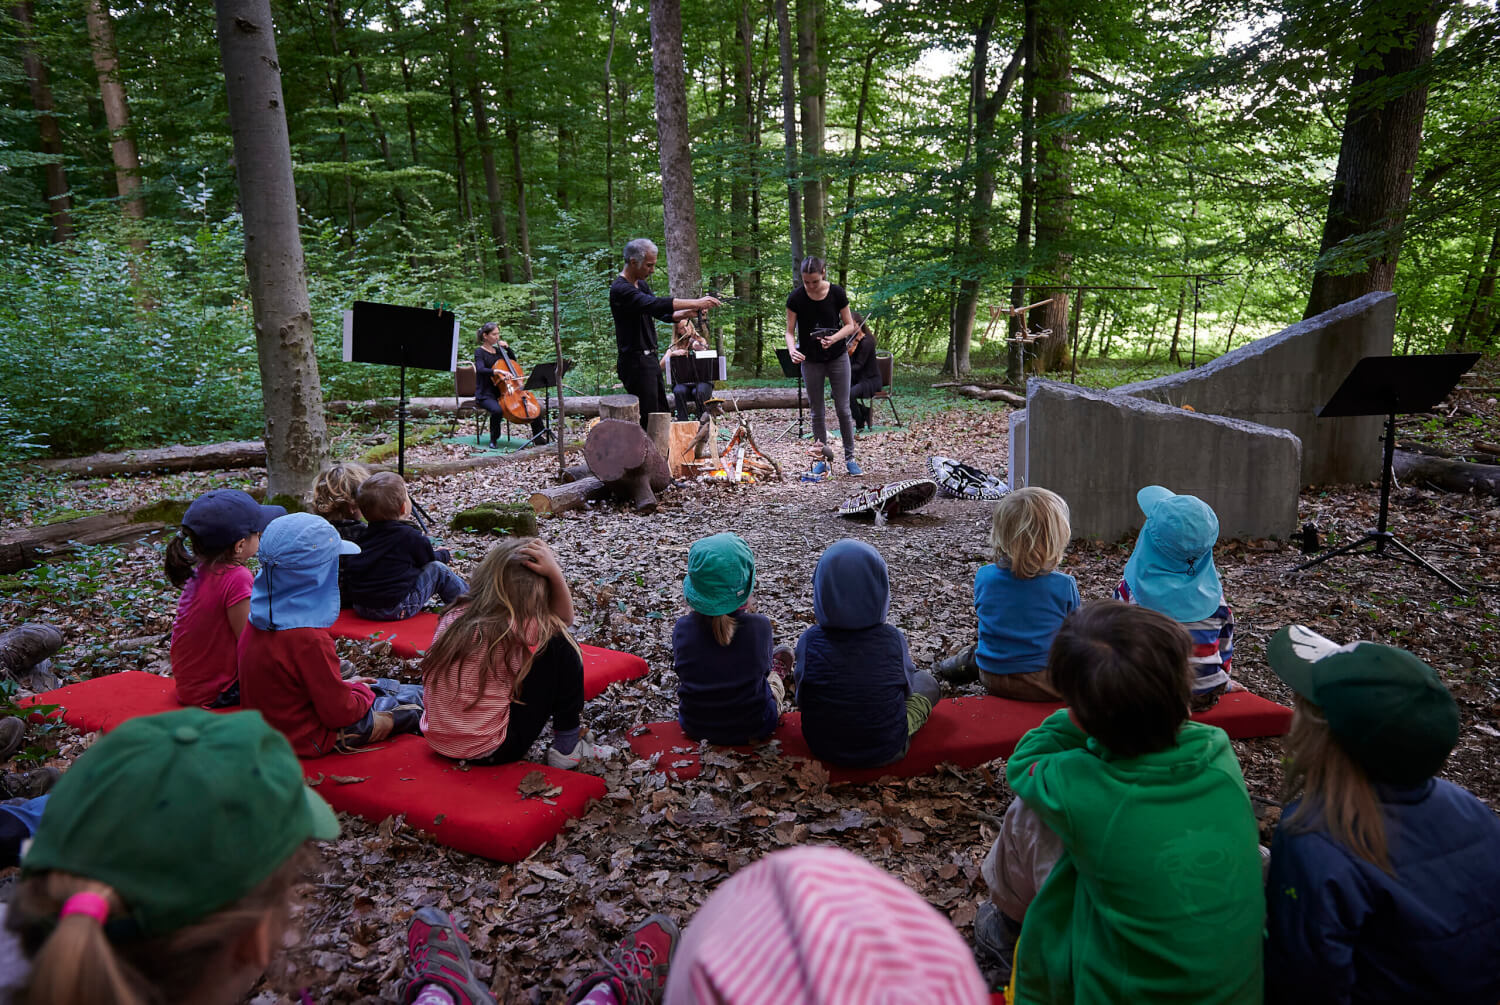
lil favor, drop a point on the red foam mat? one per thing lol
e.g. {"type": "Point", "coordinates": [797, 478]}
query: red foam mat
{"type": "Point", "coordinates": [410, 638]}
{"type": "Point", "coordinates": [480, 811]}
{"type": "Point", "coordinates": [963, 731]}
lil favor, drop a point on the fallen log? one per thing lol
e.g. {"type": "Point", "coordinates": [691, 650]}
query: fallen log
{"type": "Point", "coordinates": [746, 398]}
{"type": "Point", "coordinates": [985, 393]}
{"type": "Point", "coordinates": [622, 456]}
{"type": "Point", "coordinates": [436, 468]}
{"type": "Point", "coordinates": [555, 499]}
{"type": "Point", "coordinates": [1447, 475]}
{"type": "Point", "coordinates": [576, 473]}
{"type": "Point", "coordinates": [22, 548]}
{"type": "Point", "coordinates": [203, 457]}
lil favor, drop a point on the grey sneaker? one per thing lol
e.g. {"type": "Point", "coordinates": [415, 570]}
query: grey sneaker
{"type": "Point", "coordinates": [959, 668]}
{"type": "Point", "coordinates": [995, 938]}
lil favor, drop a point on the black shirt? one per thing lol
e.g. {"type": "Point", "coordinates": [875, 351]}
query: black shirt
{"type": "Point", "coordinates": [633, 306]}
{"type": "Point", "coordinates": [484, 369]}
{"type": "Point", "coordinates": [815, 315]}
{"type": "Point", "coordinates": [862, 365]}
{"type": "Point", "coordinates": [392, 554]}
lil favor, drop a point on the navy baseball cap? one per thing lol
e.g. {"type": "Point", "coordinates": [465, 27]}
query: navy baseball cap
{"type": "Point", "coordinates": [220, 517]}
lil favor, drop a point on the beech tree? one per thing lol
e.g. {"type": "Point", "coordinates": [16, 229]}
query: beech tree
{"type": "Point", "coordinates": [678, 207]}
{"type": "Point", "coordinates": [295, 433]}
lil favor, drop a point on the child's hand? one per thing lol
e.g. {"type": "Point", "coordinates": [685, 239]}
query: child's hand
{"type": "Point", "coordinates": [540, 560]}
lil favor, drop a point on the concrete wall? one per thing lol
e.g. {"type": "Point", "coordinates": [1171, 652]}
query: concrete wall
{"type": "Point", "coordinates": [1282, 380]}
{"type": "Point", "coordinates": [1097, 448]}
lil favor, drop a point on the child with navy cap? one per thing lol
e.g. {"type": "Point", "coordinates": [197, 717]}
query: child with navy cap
{"type": "Point", "coordinates": [1172, 572]}
{"type": "Point", "coordinates": [220, 534]}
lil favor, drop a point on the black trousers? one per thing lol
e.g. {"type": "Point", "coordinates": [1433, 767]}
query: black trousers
{"type": "Point", "coordinates": [553, 689]}
{"type": "Point", "coordinates": [686, 395]}
{"type": "Point", "coordinates": [641, 375]}
{"type": "Point", "coordinates": [497, 420]}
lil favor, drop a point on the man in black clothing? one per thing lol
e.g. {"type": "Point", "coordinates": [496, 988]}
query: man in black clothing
{"type": "Point", "coordinates": [634, 307]}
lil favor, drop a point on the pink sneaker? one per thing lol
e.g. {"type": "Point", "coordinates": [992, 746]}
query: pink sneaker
{"type": "Point", "coordinates": [784, 662]}
{"type": "Point", "coordinates": [637, 969]}
{"type": "Point", "coordinates": [440, 955]}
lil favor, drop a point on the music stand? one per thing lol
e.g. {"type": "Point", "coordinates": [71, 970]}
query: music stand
{"type": "Point", "coordinates": [790, 369]}
{"type": "Point", "coordinates": [544, 377]}
{"type": "Point", "coordinates": [1388, 385]}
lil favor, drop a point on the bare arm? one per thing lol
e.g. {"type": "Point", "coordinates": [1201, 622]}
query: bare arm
{"type": "Point", "coordinates": [791, 336]}
{"type": "Point", "coordinates": [239, 616]}
{"type": "Point", "coordinates": [540, 560]}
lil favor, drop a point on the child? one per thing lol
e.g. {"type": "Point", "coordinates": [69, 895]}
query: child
{"type": "Point", "coordinates": [223, 527]}
{"type": "Point", "coordinates": [1385, 881]}
{"type": "Point", "coordinates": [1172, 571]}
{"type": "Point", "coordinates": [1139, 823]}
{"type": "Point", "coordinates": [397, 570]}
{"type": "Point", "coordinates": [727, 691]}
{"type": "Point", "coordinates": [334, 498]}
{"type": "Point", "coordinates": [1020, 600]}
{"type": "Point", "coordinates": [289, 669]}
{"type": "Point", "coordinates": [860, 695]}
{"type": "Point", "coordinates": [487, 694]}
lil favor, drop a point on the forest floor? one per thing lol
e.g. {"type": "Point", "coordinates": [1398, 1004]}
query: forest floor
{"type": "Point", "coordinates": [659, 846]}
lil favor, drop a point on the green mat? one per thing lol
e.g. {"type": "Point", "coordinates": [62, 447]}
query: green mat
{"type": "Point", "coordinates": [506, 445]}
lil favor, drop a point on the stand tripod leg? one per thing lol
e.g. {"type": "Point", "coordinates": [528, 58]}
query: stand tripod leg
{"type": "Point", "coordinates": [1419, 560]}
{"type": "Point", "coordinates": [1343, 549]}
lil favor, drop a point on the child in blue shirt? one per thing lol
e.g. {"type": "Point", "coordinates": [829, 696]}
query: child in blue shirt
{"type": "Point", "coordinates": [727, 690]}
{"type": "Point", "coordinates": [1020, 600]}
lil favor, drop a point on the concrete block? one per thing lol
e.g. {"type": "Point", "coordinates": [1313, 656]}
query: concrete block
{"type": "Point", "coordinates": [1097, 448]}
{"type": "Point", "coordinates": [1017, 454]}
{"type": "Point", "coordinates": [1283, 379]}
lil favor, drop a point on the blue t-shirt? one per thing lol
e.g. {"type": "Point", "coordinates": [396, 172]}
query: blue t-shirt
{"type": "Point", "coordinates": [1019, 617]}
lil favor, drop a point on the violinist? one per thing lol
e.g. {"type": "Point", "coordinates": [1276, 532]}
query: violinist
{"type": "Point", "coordinates": [864, 374]}
{"type": "Point", "coordinates": [492, 350]}
{"type": "Point", "coordinates": [685, 339]}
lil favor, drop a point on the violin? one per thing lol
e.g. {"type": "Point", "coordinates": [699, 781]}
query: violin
{"type": "Point", "coordinates": [853, 340]}
{"type": "Point", "coordinates": [516, 403]}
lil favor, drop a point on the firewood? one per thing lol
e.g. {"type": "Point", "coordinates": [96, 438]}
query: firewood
{"type": "Point", "coordinates": [625, 407]}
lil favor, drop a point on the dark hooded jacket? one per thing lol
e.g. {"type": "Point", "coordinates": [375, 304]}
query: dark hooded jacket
{"type": "Point", "coordinates": [853, 669]}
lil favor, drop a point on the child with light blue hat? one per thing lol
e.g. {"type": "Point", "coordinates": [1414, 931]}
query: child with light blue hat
{"type": "Point", "coordinates": [1172, 571]}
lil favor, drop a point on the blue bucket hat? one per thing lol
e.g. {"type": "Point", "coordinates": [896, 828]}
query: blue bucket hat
{"type": "Point", "coordinates": [220, 517]}
{"type": "Point", "coordinates": [720, 576]}
{"type": "Point", "coordinates": [1172, 568]}
{"type": "Point", "coordinates": [298, 583]}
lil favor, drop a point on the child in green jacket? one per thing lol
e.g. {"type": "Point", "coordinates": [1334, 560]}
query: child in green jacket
{"type": "Point", "coordinates": [1128, 863]}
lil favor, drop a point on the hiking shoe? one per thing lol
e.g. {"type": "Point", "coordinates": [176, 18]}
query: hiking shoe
{"type": "Point", "coordinates": [586, 748]}
{"type": "Point", "coordinates": [28, 784]}
{"type": "Point", "coordinates": [995, 938]}
{"type": "Point", "coordinates": [959, 668]}
{"type": "Point", "coordinates": [784, 662]}
{"type": "Point", "coordinates": [852, 466]}
{"type": "Point", "coordinates": [440, 955]}
{"type": "Point", "coordinates": [636, 971]}
{"type": "Point", "coordinates": [12, 736]}
{"type": "Point", "coordinates": [820, 468]}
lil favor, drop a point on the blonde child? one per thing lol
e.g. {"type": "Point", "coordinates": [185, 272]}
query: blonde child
{"type": "Point", "coordinates": [487, 693]}
{"type": "Point", "coordinates": [1172, 571]}
{"type": "Point", "coordinates": [397, 570]}
{"type": "Point", "coordinates": [1020, 600]}
{"type": "Point", "coordinates": [727, 690]}
{"type": "Point", "coordinates": [335, 498]}
{"type": "Point", "coordinates": [1384, 882]}
{"type": "Point", "coordinates": [223, 528]}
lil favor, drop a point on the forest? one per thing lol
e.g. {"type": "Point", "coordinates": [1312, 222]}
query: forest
{"type": "Point", "coordinates": [1213, 171]}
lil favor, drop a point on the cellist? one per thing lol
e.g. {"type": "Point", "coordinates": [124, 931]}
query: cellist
{"type": "Point", "coordinates": [492, 348]}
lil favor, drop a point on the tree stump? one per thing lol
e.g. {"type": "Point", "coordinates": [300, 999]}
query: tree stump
{"type": "Point", "coordinates": [682, 459]}
{"type": "Point", "coordinates": [622, 456]}
{"type": "Point", "coordinates": [625, 407]}
{"type": "Point", "coordinates": [556, 499]}
{"type": "Point", "coordinates": [658, 425]}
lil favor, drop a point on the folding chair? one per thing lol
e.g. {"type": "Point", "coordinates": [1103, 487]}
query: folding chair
{"type": "Point", "coordinates": [886, 364]}
{"type": "Point", "coordinates": [463, 398]}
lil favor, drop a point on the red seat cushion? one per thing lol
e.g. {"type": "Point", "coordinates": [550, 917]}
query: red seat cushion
{"type": "Point", "coordinates": [963, 731]}
{"type": "Point", "coordinates": [409, 639]}
{"type": "Point", "coordinates": [480, 811]}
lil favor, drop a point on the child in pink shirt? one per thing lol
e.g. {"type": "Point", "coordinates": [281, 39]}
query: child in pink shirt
{"type": "Point", "coordinates": [223, 529]}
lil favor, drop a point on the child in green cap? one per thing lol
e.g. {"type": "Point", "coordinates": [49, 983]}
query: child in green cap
{"type": "Point", "coordinates": [727, 690]}
{"type": "Point", "coordinates": [1385, 881]}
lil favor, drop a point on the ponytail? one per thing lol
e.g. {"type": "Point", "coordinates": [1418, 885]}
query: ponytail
{"type": "Point", "coordinates": [76, 963]}
{"type": "Point", "coordinates": [180, 562]}
{"type": "Point", "coordinates": [723, 626]}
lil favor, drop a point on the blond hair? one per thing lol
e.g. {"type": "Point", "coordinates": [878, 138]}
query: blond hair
{"type": "Point", "coordinates": [1029, 531]}
{"type": "Point", "coordinates": [73, 960]}
{"type": "Point", "coordinates": [336, 489]}
{"type": "Point", "coordinates": [1336, 795]}
{"type": "Point", "coordinates": [723, 626]}
{"type": "Point", "coordinates": [382, 496]}
{"type": "Point", "coordinates": [505, 598]}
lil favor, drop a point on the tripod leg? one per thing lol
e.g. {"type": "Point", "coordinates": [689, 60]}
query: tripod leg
{"type": "Point", "coordinates": [1343, 549]}
{"type": "Point", "coordinates": [1419, 560]}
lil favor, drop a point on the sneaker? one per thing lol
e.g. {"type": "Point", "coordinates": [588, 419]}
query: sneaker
{"type": "Point", "coordinates": [784, 661]}
{"type": "Point", "coordinates": [12, 736]}
{"type": "Point", "coordinates": [995, 938]}
{"type": "Point", "coordinates": [959, 668]}
{"type": "Point", "coordinates": [440, 955]}
{"type": "Point", "coordinates": [28, 784]}
{"type": "Point", "coordinates": [852, 466]}
{"type": "Point", "coordinates": [636, 970]}
{"type": "Point", "coordinates": [820, 468]}
{"type": "Point", "coordinates": [586, 748]}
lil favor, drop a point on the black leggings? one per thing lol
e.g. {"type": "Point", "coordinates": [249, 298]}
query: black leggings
{"type": "Point", "coordinates": [553, 689]}
{"type": "Point", "coordinates": [497, 420]}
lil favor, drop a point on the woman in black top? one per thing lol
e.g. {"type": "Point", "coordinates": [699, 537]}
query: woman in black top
{"type": "Point", "coordinates": [864, 373]}
{"type": "Point", "coordinates": [486, 395]}
{"type": "Point", "coordinates": [818, 318]}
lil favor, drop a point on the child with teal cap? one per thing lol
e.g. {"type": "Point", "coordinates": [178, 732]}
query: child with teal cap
{"type": "Point", "coordinates": [1172, 571]}
{"type": "Point", "coordinates": [727, 689]}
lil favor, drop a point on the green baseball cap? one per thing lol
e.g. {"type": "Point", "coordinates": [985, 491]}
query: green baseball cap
{"type": "Point", "coordinates": [720, 576]}
{"type": "Point", "coordinates": [182, 813]}
{"type": "Point", "coordinates": [1386, 708]}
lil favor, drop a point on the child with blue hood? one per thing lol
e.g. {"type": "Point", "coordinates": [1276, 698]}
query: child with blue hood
{"type": "Point", "coordinates": [1172, 572]}
{"type": "Point", "coordinates": [289, 669]}
{"type": "Point", "coordinates": [861, 697]}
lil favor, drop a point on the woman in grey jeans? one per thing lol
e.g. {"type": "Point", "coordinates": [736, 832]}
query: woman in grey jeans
{"type": "Point", "coordinates": [817, 322]}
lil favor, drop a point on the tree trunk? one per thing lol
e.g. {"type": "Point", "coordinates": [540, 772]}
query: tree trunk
{"type": "Point", "coordinates": [513, 137]}
{"type": "Point", "coordinates": [460, 173]}
{"type": "Point", "coordinates": [1481, 319]}
{"type": "Point", "coordinates": [679, 214]}
{"type": "Point", "coordinates": [1372, 183]}
{"type": "Point", "coordinates": [1013, 358]}
{"type": "Point", "coordinates": [59, 196]}
{"type": "Point", "coordinates": [745, 351]}
{"type": "Point", "coordinates": [811, 85]}
{"type": "Point", "coordinates": [789, 129]}
{"type": "Point", "coordinates": [296, 438]}
{"type": "Point", "coordinates": [336, 92]}
{"type": "Point", "coordinates": [859, 132]}
{"type": "Point", "coordinates": [117, 116]}
{"type": "Point", "coordinates": [1054, 186]}
{"type": "Point", "coordinates": [200, 457]}
{"type": "Point", "coordinates": [499, 225]}
{"type": "Point", "coordinates": [609, 140]}
{"type": "Point", "coordinates": [555, 499]}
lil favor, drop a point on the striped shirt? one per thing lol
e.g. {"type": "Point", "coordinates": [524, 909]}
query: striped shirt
{"type": "Point", "coordinates": [1213, 643]}
{"type": "Point", "coordinates": [458, 720]}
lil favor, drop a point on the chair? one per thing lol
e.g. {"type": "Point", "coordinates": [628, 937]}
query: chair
{"type": "Point", "coordinates": [463, 399]}
{"type": "Point", "coordinates": [886, 364]}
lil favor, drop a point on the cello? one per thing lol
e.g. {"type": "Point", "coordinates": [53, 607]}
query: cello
{"type": "Point", "coordinates": [516, 403]}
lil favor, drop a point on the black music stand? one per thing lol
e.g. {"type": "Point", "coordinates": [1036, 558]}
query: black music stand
{"type": "Point", "coordinates": [790, 369]}
{"type": "Point", "coordinates": [1391, 385]}
{"type": "Point", "coordinates": [544, 377]}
